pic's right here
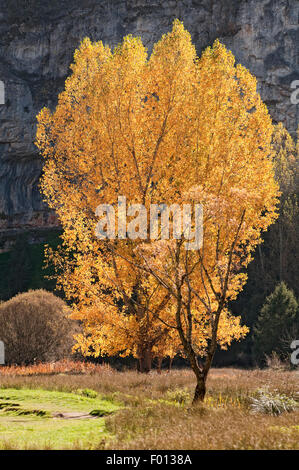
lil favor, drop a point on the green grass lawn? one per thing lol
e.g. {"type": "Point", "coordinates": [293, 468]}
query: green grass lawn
{"type": "Point", "coordinates": [39, 419]}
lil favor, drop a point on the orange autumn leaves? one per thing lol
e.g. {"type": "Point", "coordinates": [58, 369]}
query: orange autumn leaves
{"type": "Point", "coordinates": [169, 128]}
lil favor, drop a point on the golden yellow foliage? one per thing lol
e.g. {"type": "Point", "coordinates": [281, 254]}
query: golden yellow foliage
{"type": "Point", "coordinates": [171, 128]}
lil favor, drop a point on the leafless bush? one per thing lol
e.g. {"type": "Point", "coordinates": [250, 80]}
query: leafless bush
{"type": "Point", "coordinates": [275, 362]}
{"type": "Point", "coordinates": [35, 327]}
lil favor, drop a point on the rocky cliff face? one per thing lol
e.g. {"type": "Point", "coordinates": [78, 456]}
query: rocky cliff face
{"type": "Point", "coordinates": [37, 41]}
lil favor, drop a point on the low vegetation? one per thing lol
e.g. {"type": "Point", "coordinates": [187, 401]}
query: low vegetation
{"type": "Point", "coordinates": [36, 418]}
{"type": "Point", "coordinates": [129, 410]}
{"type": "Point", "coordinates": [64, 366]}
{"type": "Point", "coordinates": [272, 403]}
{"type": "Point", "coordinates": [35, 327]}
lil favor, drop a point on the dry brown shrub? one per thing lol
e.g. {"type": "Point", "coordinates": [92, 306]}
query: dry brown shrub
{"type": "Point", "coordinates": [35, 327]}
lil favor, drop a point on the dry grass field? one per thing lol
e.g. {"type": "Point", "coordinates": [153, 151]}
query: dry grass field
{"type": "Point", "coordinates": [154, 411]}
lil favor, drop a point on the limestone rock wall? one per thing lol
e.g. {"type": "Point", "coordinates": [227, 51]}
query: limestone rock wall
{"type": "Point", "coordinates": [38, 38]}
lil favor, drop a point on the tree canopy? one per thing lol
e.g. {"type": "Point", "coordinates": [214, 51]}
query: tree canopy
{"type": "Point", "coordinates": [170, 128]}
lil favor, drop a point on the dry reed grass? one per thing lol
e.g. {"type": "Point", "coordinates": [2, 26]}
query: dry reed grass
{"type": "Point", "coordinates": [150, 420]}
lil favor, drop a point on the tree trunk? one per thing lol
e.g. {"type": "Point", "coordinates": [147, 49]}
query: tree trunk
{"type": "Point", "coordinates": [145, 361]}
{"type": "Point", "coordinates": [200, 390]}
{"type": "Point", "coordinates": [159, 364]}
{"type": "Point", "coordinates": [280, 252]}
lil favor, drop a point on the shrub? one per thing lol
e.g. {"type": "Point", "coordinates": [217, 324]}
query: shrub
{"type": "Point", "coordinates": [274, 362]}
{"type": "Point", "coordinates": [35, 327]}
{"type": "Point", "coordinates": [272, 403]}
{"type": "Point", "coordinates": [179, 395]}
{"type": "Point", "coordinates": [87, 392]}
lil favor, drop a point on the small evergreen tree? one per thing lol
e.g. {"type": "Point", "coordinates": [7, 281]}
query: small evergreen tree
{"type": "Point", "coordinates": [278, 320]}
